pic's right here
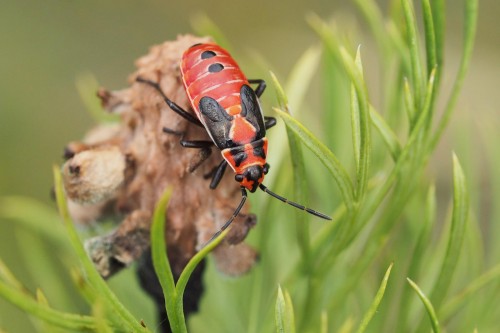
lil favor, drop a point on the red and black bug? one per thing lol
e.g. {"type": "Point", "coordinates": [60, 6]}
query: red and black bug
{"type": "Point", "coordinates": [229, 109]}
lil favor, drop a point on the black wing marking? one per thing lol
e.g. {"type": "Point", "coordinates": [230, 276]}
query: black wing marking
{"type": "Point", "coordinates": [250, 109]}
{"type": "Point", "coordinates": [217, 122]}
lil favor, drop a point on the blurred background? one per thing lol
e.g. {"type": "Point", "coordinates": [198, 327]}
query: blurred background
{"type": "Point", "coordinates": [46, 45]}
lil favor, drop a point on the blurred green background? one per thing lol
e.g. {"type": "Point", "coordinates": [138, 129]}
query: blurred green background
{"type": "Point", "coordinates": [46, 45]}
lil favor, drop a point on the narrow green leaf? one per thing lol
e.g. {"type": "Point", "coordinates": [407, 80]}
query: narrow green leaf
{"type": "Point", "coordinates": [354, 69]}
{"type": "Point", "coordinates": [373, 15]}
{"type": "Point", "coordinates": [299, 80]}
{"type": "Point", "coordinates": [471, 12]}
{"type": "Point", "coordinates": [355, 73]}
{"type": "Point", "coordinates": [412, 40]}
{"type": "Point", "coordinates": [325, 156]}
{"type": "Point", "coordinates": [279, 312]}
{"type": "Point", "coordinates": [281, 95]}
{"type": "Point", "coordinates": [162, 265]}
{"type": "Point", "coordinates": [284, 316]}
{"type": "Point", "coordinates": [324, 322]}
{"type": "Point", "coordinates": [458, 226]}
{"type": "Point", "coordinates": [455, 303]}
{"type": "Point", "coordinates": [99, 313]}
{"type": "Point", "coordinates": [299, 170]}
{"type": "Point", "coordinates": [355, 121]}
{"type": "Point", "coordinates": [41, 298]}
{"type": "Point", "coordinates": [430, 36]}
{"type": "Point", "coordinates": [376, 302]}
{"type": "Point", "coordinates": [431, 56]}
{"type": "Point", "coordinates": [390, 138]}
{"type": "Point", "coordinates": [418, 253]}
{"type": "Point", "coordinates": [409, 103]}
{"type": "Point", "coordinates": [9, 278]}
{"type": "Point", "coordinates": [128, 321]}
{"type": "Point", "coordinates": [428, 306]}
{"type": "Point", "coordinates": [34, 216]}
{"type": "Point", "coordinates": [378, 197]}
{"type": "Point", "coordinates": [438, 18]}
{"type": "Point", "coordinates": [195, 260]}
{"type": "Point", "coordinates": [347, 326]}
{"type": "Point", "coordinates": [43, 312]}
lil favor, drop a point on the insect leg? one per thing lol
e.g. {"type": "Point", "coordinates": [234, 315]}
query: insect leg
{"type": "Point", "coordinates": [196, 144]}
{"type": "Point", "coordinates": [176, 108]}
{"type": "Point", "coordinates": [261, 86]}
{"type": "Point", "coordinates": [269, 122]}
{"type": "Point", "coordinates": [218, 173]}
{"type": "Point", "coordinates": [236, 212]}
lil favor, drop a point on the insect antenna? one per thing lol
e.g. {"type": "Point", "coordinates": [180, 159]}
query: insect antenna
{"type": "Point", "coordinates": [294, 204]}
{"type": "Point", "coordinates": [236, 212]}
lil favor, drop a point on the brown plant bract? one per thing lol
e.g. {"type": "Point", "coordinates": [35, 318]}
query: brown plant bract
{"type": "Point", "coordinates": [150, 161]}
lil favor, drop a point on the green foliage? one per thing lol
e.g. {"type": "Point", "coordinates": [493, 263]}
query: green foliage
{"type": "Point", "coordinates": [367, 161]}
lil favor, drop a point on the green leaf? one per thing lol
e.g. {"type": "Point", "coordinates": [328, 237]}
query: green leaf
{"type": "Point", "coordinates": [299, 170]}
{"type": "Point", "coordinates": [376, 302]}
{"type": "Point", "coordinates": [355, 115]}
{"type": "Point", "coordinates": [455, 303]}
{"type": "Point", "coordinates": [324, 322]}
{"type": "Point", "coordinates": [409, 104]}
{"type": "Point", "coordinates": [162, 265]}
{"type": "Point", "coordinates": [9, 278]}
{"type": "Point", "coordinates": [375, 20]}
{"type": "Point", "coordinates": [355, 72]}
{"type": "Point", "coordinates": [390, 138]}
{"type": "Point", "coordinates": [299, 80]}
{"type": "Point", "coordinates": [128, 321]}
{"type": "Point", "coordinates": [428, 306]}
{"type": "Point", "coordinates": [419, 252]}
{"type": "Point", "coordinates": [412, 40]}
{"type": "Point", "coordinates": [43, 312]}
{"type": "Point", "coordinates": [191, 265]}
{"type": "Point", "coordinates": [471, 12]}
{"type": "Point", "coordinates": [325, 156]}
{"type": "Point", "coordinates": [99, 312]}
{"type": "Point", "coordinates": [36, 217]}
{"type": "Point", "coordinates": [438, 19]}
{"type": "Point", "coordinates": [173, 294]}
{"type": "Point", "coordinates": [430, 36]}
{"type": "Point", "coordinates": [458, 226]}
{"type": "Point", "coordinates": [285, 319]}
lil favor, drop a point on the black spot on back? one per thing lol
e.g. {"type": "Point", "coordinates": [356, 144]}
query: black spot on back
{"type": "Point", "coordinates": [239, 158]}
{"type": "Point", "coordinates": [207, 54]}
{"type": "Point", "coordinates": [259, 151]}
{"type": "Point", "coordinates": [214, 68]}
{"type": "Point", "coordinates": [195, 45]}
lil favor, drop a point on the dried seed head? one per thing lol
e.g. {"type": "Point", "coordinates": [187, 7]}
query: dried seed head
{"type": "Point", "coordinates": [93, 176]}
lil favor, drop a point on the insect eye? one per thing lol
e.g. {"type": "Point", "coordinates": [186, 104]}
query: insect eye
{"type": "Point", "coordinates": [239, 178]}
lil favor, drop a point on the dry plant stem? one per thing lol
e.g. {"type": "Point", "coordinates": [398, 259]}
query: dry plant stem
{"type": "Point", "coordinates": [146, 160]}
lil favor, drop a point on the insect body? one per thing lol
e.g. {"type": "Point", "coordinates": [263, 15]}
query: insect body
{"type": "Point", "coordinates": [229, 109]}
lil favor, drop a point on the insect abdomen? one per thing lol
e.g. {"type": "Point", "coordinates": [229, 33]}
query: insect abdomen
{"type": "Point", "coordinates": [208, 70]}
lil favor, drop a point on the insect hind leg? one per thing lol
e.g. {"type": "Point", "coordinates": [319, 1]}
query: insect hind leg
{"type": "Point", "coordinates": [261, 86]}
